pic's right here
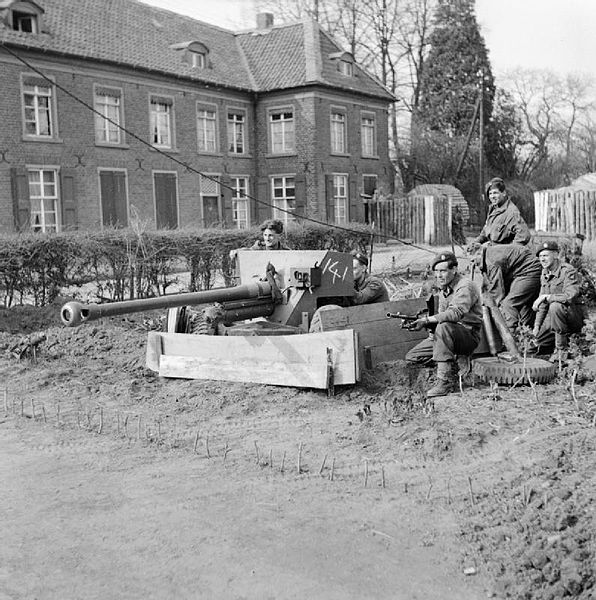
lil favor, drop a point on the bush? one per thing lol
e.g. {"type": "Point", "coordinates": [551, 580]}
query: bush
{"type": "Point", "coordinates": [123, 264]}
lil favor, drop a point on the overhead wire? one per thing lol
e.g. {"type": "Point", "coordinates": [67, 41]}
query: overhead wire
{"type": "Point", "coordinates": [188, 167]}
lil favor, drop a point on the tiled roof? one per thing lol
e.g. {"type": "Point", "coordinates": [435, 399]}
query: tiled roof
{"type": "Point", "coordinates": [131, 33]}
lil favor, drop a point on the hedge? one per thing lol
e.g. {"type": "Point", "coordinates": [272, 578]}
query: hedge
{"type": "Point", "coordinates": [122, 264]}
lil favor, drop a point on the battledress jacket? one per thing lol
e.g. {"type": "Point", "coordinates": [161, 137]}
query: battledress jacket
{"type": "Point", "coordinates": [370, 289]}
{"type": "Point", "coordinates": [461, 303]}
{"type": "Point", "coordinates": [562, 284]}
{"type": "Point", "coordinates": [504, 225]}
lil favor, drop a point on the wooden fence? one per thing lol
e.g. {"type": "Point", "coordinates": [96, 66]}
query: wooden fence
{"type": "Point", "coordinates": [419, 219]}
{"type": "Point", "coordinates": [566, 210]}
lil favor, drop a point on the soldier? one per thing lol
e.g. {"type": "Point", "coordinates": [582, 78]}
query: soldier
{"type": "Point", "coordinates": [512, 279]}
{"type": "Point", "coordinates": [369, 289]}
{"type": "Point", "coordinates": [558, 307]}
{"type": "Point", "coordinates": [272, 231]}
{"type": "Point", "coordinates": [456, 326]}
{"type": "Point", "coordinates": [504, 223]}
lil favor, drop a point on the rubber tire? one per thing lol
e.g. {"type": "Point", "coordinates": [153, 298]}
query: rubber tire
{"type": "Point", "coordinates": [498, 370]}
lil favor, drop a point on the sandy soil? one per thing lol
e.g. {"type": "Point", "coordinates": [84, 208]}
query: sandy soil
{"type": "Point", "coordinates": [119, 484]}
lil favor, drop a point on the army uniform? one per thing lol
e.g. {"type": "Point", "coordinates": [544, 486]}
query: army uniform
{"type": "Point", "coordinates": [561, 313]}
{"type": "Point", "coordinates": [504, 225]}
{"type": "Point", "coordinates": [513, 280]}
{"type": "Point", "coordinates": [368, 290]}
{"type": "Point", "coordinates": [459, 321]}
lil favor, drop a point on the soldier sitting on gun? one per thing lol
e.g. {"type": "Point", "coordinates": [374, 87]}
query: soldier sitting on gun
{"type": "Point", "coordinates": [369, 289]}
{"type": "Point", "coordinates": [512, 278]}
{"type": "Point", "coordinates": [456, 326]}
{"type": "Point", "coordinates": [558, 308]}
{"type": "Point", "coordinates": [504, 223]}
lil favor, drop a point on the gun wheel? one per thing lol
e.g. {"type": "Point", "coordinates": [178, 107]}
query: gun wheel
{"type": "Point", "coordinates": [495, 369]}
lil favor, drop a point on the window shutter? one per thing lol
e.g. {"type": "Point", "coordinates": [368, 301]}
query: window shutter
{"type": "Point", "coordinates": [263, 211]}
{"type": "Point", "coordinates": [68, 199]}
{"type": "Point", "coordinates": [20, 198]}
{"type": "Point", "coordinates": [300, 195]}
{"type": "Point", "coordinates": [329, 198]}
{"type": "Point", "coordinates": [226, 194]}
{"type": "Point", "coordinates": [354, 201]}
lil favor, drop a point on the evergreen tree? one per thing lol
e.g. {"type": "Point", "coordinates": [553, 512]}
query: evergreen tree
{"type": "Point", "coordinates": [456, 67]}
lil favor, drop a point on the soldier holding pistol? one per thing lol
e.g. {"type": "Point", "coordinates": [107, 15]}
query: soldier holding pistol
{"type": "Point", "coordinates": [456, 325]}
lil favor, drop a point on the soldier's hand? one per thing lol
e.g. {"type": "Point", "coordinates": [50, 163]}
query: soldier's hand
{"type": "Point", "coordinates": [419, 324]}
{"type": "Point", "coordinates": [538, 302]}
{"type": "Point", "coordinates": [473, 247]}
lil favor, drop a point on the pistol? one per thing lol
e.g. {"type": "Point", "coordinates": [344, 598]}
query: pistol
{"type": "Point", "coordinates": [407, 320]}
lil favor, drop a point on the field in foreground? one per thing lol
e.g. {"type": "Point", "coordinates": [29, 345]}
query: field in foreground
{"type": "Point", "coordinates": [120, 484]}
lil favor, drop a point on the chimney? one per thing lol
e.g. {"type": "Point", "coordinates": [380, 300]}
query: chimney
{"type": "Point", "coordinates": [264, 20]}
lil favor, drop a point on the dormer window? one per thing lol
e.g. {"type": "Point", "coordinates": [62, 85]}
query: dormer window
{"type": "Point", "coordinates": [344, 63]}
{"type": "Point", "coordinates": [199, 60]}
{"type": "Point", "coordinates": [26, 16]}
{"type": "Point", "coordinates": [194, 54]}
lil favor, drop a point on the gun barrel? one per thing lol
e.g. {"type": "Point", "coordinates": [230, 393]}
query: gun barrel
{"type": "Point", "coordinates": [76, 313]}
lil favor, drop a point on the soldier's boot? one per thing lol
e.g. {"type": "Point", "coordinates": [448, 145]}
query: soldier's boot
{"type": "Point", "coordinates": [561, 353]}
{"type": "Point", "coordinates": [445, 383]}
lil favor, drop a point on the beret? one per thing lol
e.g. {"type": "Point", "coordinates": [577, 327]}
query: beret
{"type": "Point", "coordinates": [360, 257]}
{"type": "Point", "coordinates": [550, 245]}
{"type": "Point", "coordinates": [448, 257]}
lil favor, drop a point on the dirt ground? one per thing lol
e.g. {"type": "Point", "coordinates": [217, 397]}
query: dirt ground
{"type": "Point", "coordinates": [119, 484]}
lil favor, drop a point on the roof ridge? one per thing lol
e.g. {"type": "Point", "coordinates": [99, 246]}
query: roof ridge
{"type": "Point", "coordinates": [312, 53]}
{"type": "Point", "coordinates": [251, 76]}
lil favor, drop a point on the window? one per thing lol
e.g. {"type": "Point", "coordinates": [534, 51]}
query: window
{"type": "Point", "coordinates": [25, 22]}
{"type": "Point", "coordinates": [236, 133]}
{"type": "Point", "coordinates": [43, 195]}
{"type": "Point", "coordinates": [282, 131]}
{"type": "Point", "coordinates": [107, 122]}
{"type": "Point", "coordinates": [345, 68]}
{"type": "Point", "coordinates": [37, 101]}
{"type": "Point", "coordinates": [338, 132]}
{"type": "Point", "coordinates": [198, 60]}
{"type": "Point", "coordinates": [340, 198]}
{"type": "Point", "coordinates": [284, 198]}
{"type": "Point", "coordinates": [210, 200]}
{"type": "Point", "coordinates": [368, 134]}
{"type": "Point", "coordinates": [207, 130]}
{"type": "Point", "coordinates": [161, 122]}
{"type": "Point", "coordinates": [240, 213]}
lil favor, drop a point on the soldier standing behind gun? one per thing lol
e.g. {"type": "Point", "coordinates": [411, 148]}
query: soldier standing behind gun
{"type": "Point", "coordinates": [558, 307]}
{"type": "Point", "coordinates": [512, 279]}
{"type": "Point", "coordinates": [504, 223]}
{"type": "Point", "coordinates": [457, 326]}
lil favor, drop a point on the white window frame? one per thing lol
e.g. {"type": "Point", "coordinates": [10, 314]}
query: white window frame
{"type": "Point", "coordinates": [236, 120]}
{"type": "Point", "coordinates": [198, 59]}
{"type": "Point", "coordinates": [282, 199]}
{"type": "Point", "coordinates": [207, 115]}
{"type": "Point", "coordinates": [368, 133]}
{"type": "Point", "coordinates": [31, 97]}
{"type": "Point", "coordinates": [338, 128]}
{"type": "Point", "coordinates": [161, 122]}
{"type": "Point", "coordinates": [44, 199]}
{"type": "Point", "coordinates": [110, 107]}
{"type": "Point", "coordinates": [282, 130]}
{"type": "Point", "coordinates": [340, 198]}
{"type": "Point", "coordinates": [240, 201]}
{"type": "Point", "coordinates": [19, 18]}
{"type": "Point", "coordinates": [345, 67]}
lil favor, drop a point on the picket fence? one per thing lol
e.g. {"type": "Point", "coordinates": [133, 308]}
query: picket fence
{"type": "Point", "coordinates": [566, 210]}
{"type": "Point", "coordinates": [418, 219]}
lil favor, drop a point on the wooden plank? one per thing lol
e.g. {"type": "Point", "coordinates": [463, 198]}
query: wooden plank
{"type": "Point", "coordinates": [254, 350]}
{"type": "Point", "coordinates": [154, 350]}
{"type": "Point", "coordinates": [311, 374]}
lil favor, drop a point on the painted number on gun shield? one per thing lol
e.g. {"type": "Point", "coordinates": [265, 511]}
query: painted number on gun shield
{"type": "Point", "coordinates": [332, 268]}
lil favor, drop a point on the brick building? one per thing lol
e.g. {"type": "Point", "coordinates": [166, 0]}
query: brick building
{"type": "Point", "coordinates": [193, 124]}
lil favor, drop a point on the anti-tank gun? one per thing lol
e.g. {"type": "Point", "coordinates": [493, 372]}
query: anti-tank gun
{"type": "Point", "coordinates": [256, 322]}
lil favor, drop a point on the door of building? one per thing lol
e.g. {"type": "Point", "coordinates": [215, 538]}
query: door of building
{"type": "Point", "coordinates": [114, 204]}
{"type": "Point", "coordinates": [166, 200]}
